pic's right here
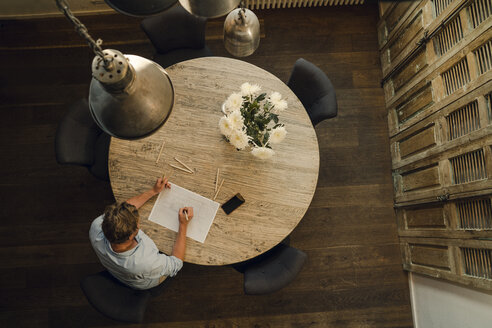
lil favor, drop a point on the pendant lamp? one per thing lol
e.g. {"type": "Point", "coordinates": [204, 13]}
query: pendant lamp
{"type": "Point", "coordinates": [130, 97]}
{"type": "Point", "coordinates": [209, 8]}
{"type": "Point", "coordinates": [140, 7]}
{"type": "Point", "coordinates": [241, 32]}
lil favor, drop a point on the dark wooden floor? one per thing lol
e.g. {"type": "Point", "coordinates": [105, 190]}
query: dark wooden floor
{"type": "Point", "coordinates": [353, 276]}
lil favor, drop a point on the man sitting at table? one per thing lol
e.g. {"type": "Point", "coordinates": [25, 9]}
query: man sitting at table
{"type": "Point", "coordinates": [127, 252]}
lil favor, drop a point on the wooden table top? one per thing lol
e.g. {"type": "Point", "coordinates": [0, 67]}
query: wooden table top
{"type": "Point", "coordinates": [277, 191]}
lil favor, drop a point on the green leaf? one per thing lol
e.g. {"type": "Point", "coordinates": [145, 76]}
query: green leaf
{"type": "Point", "coordinates": [260, 97]}
{"type": "Point", "coordinates": [266, 137]}
{"type": "Point", "coordinates": [274, 117]}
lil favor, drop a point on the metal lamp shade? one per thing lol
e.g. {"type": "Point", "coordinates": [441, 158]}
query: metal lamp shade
{"type": "Point", "coordinates": [140, 107]}
{"type": "Point", "coordinates": [209, 8]}
{"type": "Point", "coordinates": [140, 7]}
{"type": "Point", "coordinates": [241, 32]}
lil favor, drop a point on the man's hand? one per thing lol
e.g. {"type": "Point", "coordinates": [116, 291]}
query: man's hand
{"type": "Point", "coordinates": [179, 248]}
{"type": "Point", "coordinates": [185, 215]}
{"type": "Point", "coordinates": [141, 199]}
{"type": "Point", "coordinates": [160, 184]}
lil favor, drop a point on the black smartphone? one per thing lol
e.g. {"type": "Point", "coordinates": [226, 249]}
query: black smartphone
{"type": "Point", "coordinates": [233, 203]}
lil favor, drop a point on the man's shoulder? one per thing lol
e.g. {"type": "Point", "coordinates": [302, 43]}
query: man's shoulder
{"type": "Point", "coordinates": [96, 227]}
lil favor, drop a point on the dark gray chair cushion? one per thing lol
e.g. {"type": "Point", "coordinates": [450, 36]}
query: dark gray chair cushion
{"type": "Point", "coordinates": [176, 35]}
{"type": "Point", "coordinates": [113, 299]}
{"type": "Point", "coordinates": [76, 135]}
{"type": "Point", "coordinates": [116, 300]}
{"type": "Point", "coordinates": [175, 28]}
{"type": "Point", "coordinates": [314, 89]}
{"type": "Point", "coordinates": [275, 271]}
{"type": "Point", "coordinates": [79, 141]}
{"type": "Point", "coordinates": [179, 55]}
{"type": "Point", "coordinates": [101, 149]}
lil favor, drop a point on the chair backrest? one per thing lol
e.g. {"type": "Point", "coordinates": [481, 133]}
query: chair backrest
{"type": "Point", "coordinates": [80, 141]}
{"type": "Point", "coordinates": [314, 89]}
{"type": "Point", "coordinates": [275, 271]}
{"type": "Point", "coordinates": [174, 29]}
{"type": "Point", "coordinates": [114, 299]}
{"type": "Point", "coordinates": [76, 136]}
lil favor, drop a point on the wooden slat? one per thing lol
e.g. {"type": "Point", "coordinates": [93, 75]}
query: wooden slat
{"type": "Point", "coordinates": [418, 142]}
{"type": "Point", "coordinates": [448, 37]}
{"type": "Point", "coordinates": [475, 214]}
{"type": "Point", "coordinates": [423, 178]}
{"type": "Point", "coordinates": [427, 217]}
{"type": "Point", "coordinates": [430, 256]}
{"type": "Point", "coordinates": [401, 77]}
{"type": "Point", "coordinates": [416, 103]}
{"type": "Point", "coordinates": [440, 5]}
{"type": "Point", "coordinates": [479, 10]}
{"type": "Point", "coordinates": [484, 57]}
{"type": "Point", "coordinates": [394, 19]}
{"type": "Point", "coordinates": [401, 41]}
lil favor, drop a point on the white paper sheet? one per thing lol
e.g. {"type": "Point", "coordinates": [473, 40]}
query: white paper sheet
{"type": "Point", "coordinates": [168, 203]}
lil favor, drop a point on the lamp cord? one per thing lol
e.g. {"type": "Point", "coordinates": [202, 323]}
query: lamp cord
{"type": "Point", "coordinates": [242, 11]}
{"type": "Point", "coordinates": [82, 30]}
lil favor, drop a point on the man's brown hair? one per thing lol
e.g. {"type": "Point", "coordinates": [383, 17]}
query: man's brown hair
{"type": "Point", "coordinates": [120, 221]}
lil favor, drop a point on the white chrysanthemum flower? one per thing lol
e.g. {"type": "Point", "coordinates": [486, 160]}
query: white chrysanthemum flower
{"type": "Point", "coordinates": [233, 102]}
{"type": "Point", "coordinates": [279, 106]}
{"type": "Point", "coordinates": [262, 152]}
{"type": "Point", "coordinates": [239, 139]}
{"type": "Point", "coordinates": [226, 126]}
{"type": "Point", "coordinates": [249, 89]}
{"type": "Point", "coordinates": [275, 97]}
{"type": "Point", "coordinates": [277, 135]}
{"type": "Point", "coordinates": [236, 119]}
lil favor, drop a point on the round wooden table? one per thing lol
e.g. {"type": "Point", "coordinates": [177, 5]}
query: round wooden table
{"type": "Point", "coordinates": [277, 191]}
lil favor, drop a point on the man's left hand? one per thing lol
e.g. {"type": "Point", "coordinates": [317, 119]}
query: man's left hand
{"type": "Point", "coordinates": [160, 184]}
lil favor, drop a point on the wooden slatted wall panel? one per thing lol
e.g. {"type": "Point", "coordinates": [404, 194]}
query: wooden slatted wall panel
{"type": "Point", "coordinates": [465, 261]}
{"type": "Point", "coordinates": [479, 11]}
{"type": "Point", "coordinates": [439, 6]}
{"type": "Point", "coordinates": [270, 4]}
{"type": "Point", "coordinates": [450, 35]}
{"type": "Point", "coordinates": [474, 214]}
{"type": "Point", "coordinates": [436, 57]}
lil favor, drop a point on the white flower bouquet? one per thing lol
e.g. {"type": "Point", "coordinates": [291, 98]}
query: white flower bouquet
{"type": "Point", "coordinates": [251, 119]}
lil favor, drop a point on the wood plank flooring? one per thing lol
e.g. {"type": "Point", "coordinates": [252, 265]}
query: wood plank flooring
{"type": "Point", "coordinates": [353, 276]}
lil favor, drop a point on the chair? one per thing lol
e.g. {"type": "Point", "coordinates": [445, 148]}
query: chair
{"type": "Point", "coordinates": [176, 35]}
{"type": "Point", "coordinates": [79, 141]}
{"type": "Point", "coordinates": [115, 300]}
{"type": "Point", "coordinates": [314, 90]}
{"type": "Point", "coordinates": [271, 271]}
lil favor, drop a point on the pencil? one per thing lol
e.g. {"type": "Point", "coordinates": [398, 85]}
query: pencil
{"type": "Point", "coordinates": [217, 179]}
{"type": "Point", "coordinates": [186, 215]}
{"type": "Point", "coordinates": [184, 164]}
{"type": "Point", "coordinates": [160, 152]}
{"type": "Point", "coordinates": [180, 168]}
{"type": "Point", "coordinates": [218, 189]}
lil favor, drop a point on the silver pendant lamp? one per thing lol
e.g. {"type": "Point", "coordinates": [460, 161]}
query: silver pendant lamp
{"type": "Point", "coordinates": [140, 7]}
{"type": "Point", "coordinates": [209, 8]}
{"type": "Point", "coordinates": [130, 97]}
{"type": "Point", "coordinates": [241, 32]}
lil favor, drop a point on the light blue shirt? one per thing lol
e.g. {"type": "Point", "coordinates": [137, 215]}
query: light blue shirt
{"type": "Point", "coordinates": [140, 267]}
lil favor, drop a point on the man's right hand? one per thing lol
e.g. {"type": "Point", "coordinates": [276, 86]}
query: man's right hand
{"type": "Point", "coordinates": [180, 243]}
{"type": "Point", "coordinates": [182, 215]}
